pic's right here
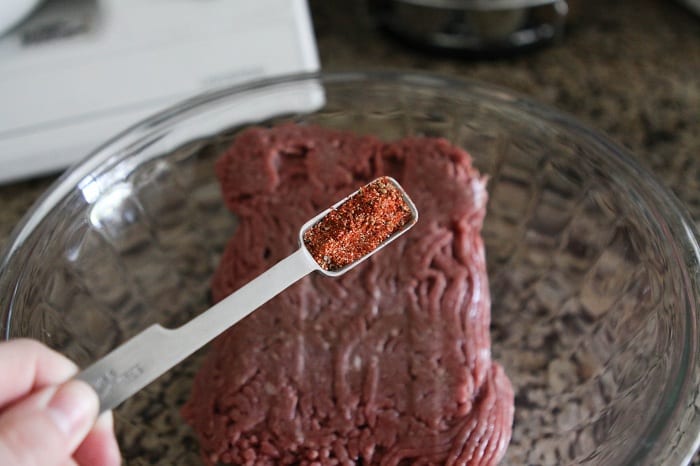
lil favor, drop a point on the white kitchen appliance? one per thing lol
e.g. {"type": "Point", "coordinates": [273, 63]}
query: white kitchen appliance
{"type": "Point", "coordinates": [14, 11]}
{"type": "Point", "coordinates": [79, 71]}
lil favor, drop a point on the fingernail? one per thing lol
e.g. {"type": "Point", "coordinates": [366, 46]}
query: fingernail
{"type": "Point", "coordinates": [72, 406]}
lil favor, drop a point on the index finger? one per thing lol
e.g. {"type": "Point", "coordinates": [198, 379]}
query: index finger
{"type": "Point", "coordinates": [29, 366]}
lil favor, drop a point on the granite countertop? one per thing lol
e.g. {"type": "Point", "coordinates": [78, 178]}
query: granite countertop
{"type": "Point", "coordinates": [632, 73]}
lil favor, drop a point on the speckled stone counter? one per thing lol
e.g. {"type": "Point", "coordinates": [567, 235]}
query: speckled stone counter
{"type": "Point", "coordinates": [630, 69]}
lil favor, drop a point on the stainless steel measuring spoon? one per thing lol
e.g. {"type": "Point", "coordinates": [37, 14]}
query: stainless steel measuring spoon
{"type": "Point", "coordinates": [151, 353]}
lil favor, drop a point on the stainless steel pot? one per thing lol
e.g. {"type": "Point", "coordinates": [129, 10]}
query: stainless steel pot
{"type": "Point", "coordinates": [481, 26]}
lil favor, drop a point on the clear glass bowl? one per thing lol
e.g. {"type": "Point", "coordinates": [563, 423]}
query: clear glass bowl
{"type": "Point", "coordinates": [593, 266]}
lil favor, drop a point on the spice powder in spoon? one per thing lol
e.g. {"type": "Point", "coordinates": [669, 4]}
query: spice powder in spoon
{"type": "Point", "coordinates": [358, 226]}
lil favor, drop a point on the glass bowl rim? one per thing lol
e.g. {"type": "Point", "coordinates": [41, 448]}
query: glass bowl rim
{"type": "Point", "coordinates": [633, 172]}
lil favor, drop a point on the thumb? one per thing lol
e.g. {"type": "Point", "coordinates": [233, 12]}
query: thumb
{"type": "Point", "coordinates": [45, 428]}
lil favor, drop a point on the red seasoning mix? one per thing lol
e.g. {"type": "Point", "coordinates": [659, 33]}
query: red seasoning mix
{"type": "Point", "coordinates": [389, 364]}
{"type": "Point", "coordinates": [358, 226]}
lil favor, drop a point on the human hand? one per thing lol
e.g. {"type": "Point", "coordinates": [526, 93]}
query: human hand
{"type": "Point", "coordinates": [45, 418]}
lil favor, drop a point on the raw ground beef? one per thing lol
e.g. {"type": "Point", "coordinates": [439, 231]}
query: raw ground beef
{"type": "Point", "coordinates": [388, 364]}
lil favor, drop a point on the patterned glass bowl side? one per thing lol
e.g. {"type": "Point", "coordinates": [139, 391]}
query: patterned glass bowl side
{"type": "Point", "coordinates": [593, 266]}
